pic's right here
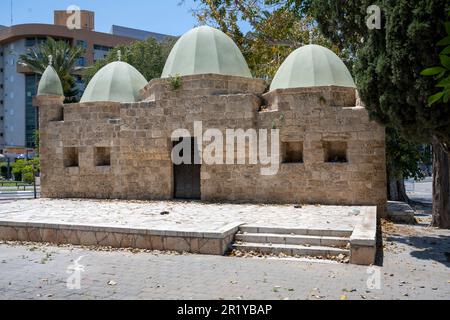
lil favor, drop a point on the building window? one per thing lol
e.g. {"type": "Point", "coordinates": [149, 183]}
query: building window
{"type": "Point", "coordinates": [102, 48]}
{"type": "Point", "coordinates": [102, 157]}
{"type": "Point", "coordinates": [30, 111]}
{"type": "Point", "coordinates": [70, 156]}
{"type": "Point", "coordinates": [79, 79]}
{"type": "Point", "coordinates": [335, 152]}
{"type": "Point", "coordinates": [81, 44]}
{"type": "Point", "coordinates": [30, 42]}
{"type": "Point", "coordinates": [292, 152]}
{"type": "Point", "coordinates": [81, 62]}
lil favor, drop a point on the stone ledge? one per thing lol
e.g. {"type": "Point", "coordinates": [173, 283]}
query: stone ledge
{"type": "Point", "coordinates": [363, 241]}
{"type": "Point", "coordinates": [230, 229]}
{"type": "Point", "coordinates": [169, 240]}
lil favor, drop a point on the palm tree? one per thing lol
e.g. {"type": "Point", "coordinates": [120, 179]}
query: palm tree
{"type": "Point", "coordinates": [64, 58]}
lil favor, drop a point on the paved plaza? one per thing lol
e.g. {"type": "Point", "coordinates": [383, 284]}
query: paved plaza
{"type": "Point", "coordinates": [414, 262]}
{"type": "Point", "coordinates": [183, 216]}
{"type": "Point", "coordinates": [414, 266]}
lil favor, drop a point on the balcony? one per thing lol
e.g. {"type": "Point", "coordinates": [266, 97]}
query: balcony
{"type": "Point", "coordinates": [21, 68]}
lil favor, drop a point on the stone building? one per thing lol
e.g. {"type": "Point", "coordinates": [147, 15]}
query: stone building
{"type": "Point", "coordinates": [118, 141]}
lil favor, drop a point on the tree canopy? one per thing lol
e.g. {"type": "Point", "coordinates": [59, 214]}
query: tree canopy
{"type": "Point", "coordinates": [442, 73]}
{"type": "Point", "coordinates": [391, 59]}
{"type": "Point", "coordinates": [277, 29]}
{"type": "Point", "coordinates": [148, 57]}
{"type": "Point", "coordinates": [64, 61]}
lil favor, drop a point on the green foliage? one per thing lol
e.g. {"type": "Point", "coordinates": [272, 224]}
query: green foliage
{"type": "Point", "coordinates": [441, 74]}
{"type": "Point", "coordinates": [390, 61]}
{"type": "Point", "coordinates": [64, 61]}
{"type": "Point", "coordinates": [148, 57]}
{"type": "Point", "coordinates": [403, 157]}
{"type": "Point", "coordinates": [26, 169]}
{"type": "Point", "coordinates": [175, 82]}
{"type": "Point", "coordinates": [278, 27]}
{"type": "Point", "coordinates": [37, 143]}
{"type": "Point", "coordinates": [3, 168]}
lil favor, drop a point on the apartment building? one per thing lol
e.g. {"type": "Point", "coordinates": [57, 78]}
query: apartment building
{"type": "Point", "coordinates": [18, 84]}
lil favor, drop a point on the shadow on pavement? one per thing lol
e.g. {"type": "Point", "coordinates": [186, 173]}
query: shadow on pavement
{"type": "Point", "coordinates": [436, 248]}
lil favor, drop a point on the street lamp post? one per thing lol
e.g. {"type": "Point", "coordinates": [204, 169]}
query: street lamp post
{"type": "Point", "coordinates": [34, 181]}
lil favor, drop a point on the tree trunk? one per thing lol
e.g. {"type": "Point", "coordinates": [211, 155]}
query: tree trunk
{"type": "Point", "coordinates": [441, 186]}
{"type": "Point", "coordinates": [397, 191]}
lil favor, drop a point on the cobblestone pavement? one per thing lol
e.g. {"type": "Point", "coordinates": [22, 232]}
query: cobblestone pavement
{"type": "Point", "coordinates": [184, 216]}
{"type": "Point", "coordinates": [415, 266]}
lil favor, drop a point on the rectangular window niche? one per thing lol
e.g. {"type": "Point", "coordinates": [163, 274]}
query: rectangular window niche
{"type": "Point", "coordinates": [71, 157]}
{"type": "Point", "coordinates": [292, 152]}
{"type": "Point", "coordinates": [335, 152]}
{"type": "Point", "coordinates": [102, 157]}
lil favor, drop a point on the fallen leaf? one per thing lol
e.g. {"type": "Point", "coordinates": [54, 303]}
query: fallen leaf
{"type": "Point", "coordinates": [344, 297]}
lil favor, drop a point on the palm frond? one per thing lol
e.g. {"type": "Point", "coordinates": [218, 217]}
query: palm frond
{"type": "Point", "coordinates": [64, 60]}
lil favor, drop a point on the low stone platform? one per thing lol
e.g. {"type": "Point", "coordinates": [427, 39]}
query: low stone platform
{"type": "Point", "coordinates": [180, 226]}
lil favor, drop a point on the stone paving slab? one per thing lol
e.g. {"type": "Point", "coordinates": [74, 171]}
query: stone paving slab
{"type": "Point", "coordinates": [186, 217]}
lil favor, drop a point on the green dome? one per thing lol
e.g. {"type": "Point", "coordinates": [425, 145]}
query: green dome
{"type": "Point", "coordinates": [117, 82]}
{"type": "Point", "coordinates": [50, 84]}
{"type": "Point", "coordinates": [312, 66]}
{"type": "Point", "coordinates": [206, 50]}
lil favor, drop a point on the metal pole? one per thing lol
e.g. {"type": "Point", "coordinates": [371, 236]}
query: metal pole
{"type": "Point", "coordinates": [34, 182]}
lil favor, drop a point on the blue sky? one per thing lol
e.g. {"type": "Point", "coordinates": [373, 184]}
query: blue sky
{"type": "Point", "coordinates": [163, 16]}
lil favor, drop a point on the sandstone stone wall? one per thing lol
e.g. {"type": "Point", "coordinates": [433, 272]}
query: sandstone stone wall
{"type": "Point", "coordinates": [137, 137]}
{"type": "Point", "coordinates": [314, 117]}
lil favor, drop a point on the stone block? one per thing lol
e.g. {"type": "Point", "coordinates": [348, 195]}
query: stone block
{"type": "Point", "coordinates": [363, 255]}
{"type": "Point", "coordinates": [178, 244]}
{"type": "Point", "coordinates": [8, 234]}
{"type": "Point", "coordinates": [401, 212]}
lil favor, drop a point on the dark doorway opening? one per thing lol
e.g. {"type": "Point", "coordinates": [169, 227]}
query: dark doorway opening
{"type": "Point", "coordinates": [187, 175]}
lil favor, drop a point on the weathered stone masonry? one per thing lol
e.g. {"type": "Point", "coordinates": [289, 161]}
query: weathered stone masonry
{"type": "Point", "coordinates": [123, 150]}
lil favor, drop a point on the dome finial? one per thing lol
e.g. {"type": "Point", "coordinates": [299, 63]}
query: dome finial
{"type": "Point", "coordinates": [50, 60]}
{"type": "Point", "coordinates": [119, 55]}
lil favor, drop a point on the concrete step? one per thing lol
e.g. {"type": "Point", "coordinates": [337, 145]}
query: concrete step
{"type": "Point", "coordinates": [270, 238]}
{"type": "Point", "coordinates": [291, 250]}
{"type": "Point", "coordinates": [344, 233]}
